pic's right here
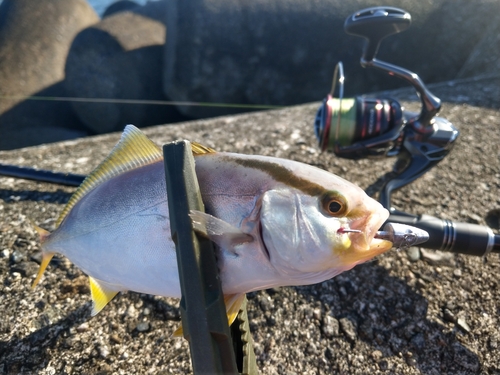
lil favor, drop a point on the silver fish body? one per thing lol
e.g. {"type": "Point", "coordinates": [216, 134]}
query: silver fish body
{"type": "Point", "coordinates": [276, 222]}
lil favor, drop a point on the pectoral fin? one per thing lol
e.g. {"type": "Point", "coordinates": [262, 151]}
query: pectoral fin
{"type": "Point", "coordinates": [222, 233]}
{"type": "Point", "coordinates": [233, 303]}
{"type": "Point", "coordinates": [101, 295]}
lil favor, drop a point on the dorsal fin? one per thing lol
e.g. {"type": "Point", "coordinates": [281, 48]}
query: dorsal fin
{"type": "Point", "coordinates": [199, 149]}
{"type": "Point", "coordinates": [134, 150]}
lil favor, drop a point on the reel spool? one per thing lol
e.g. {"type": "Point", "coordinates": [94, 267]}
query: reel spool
{"type": "Point", "coordinates": [356, 127]}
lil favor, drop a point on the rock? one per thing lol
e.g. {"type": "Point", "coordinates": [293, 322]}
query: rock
{"type": "Point", "coordinates": [17, 256]}
{"type": "Point", "coordinates": [448, 316]}
{"type": "Point", "coordinates": [26, 269]}
{"type": "Point", "coordinates": [103, 351]}
{"type": "Point", "coordinates": [493, 216]}
{"type": "Point", "coordinates": [119, 6]}
{"type": "Point", "coordinates": [329, 353]}
{"type": "Point", "coordinates": [461, 323]}
{"type": "Point", "coordinates": [410, 359]}
{"type": "Point", "coordinates": [330, 326]}
{"type": "Point", "coordinates": [142, 327]}
{"type": "Point", "coordinates": [131, 312]}
{"type": "Point", "coordinates": [36, 257]}
{"type": "Point", "coordinates": [451, 305]}
{"type": "Point", "coordinates": [120, 58]}
{"type": "Point", "coordinates": [413, 253]}
{"type": "Point", "coordinates": [34, 122]}
{"type": "Point", "coordinates": [83, 327]}
{"type": "Point", "coordinates": [115, 338]}
{"type": "Point", "coordinates": [79, 285]}
{"type": "Point", "coordinates": [311, 349]}
{"type": "Point", "coordinates": [265, 303]}
{"type": "Point", "coordinates": [348, 328]}
{"type": "Point", "coordinates": [383, 365]}
{"type": "Point", "coordinates": [249, 55]}
{"type": "Point", "coordinates": [436, 257]}
{"type": "Point", "coordinates": [317, 314]}
{"type": "Point", "coordinates": [34, 42]}
{"type": "Point", "coordinates": [271, 321]}
{"type": "Point", "coordinates": [376, 355]}
{"type": "Point", "coordinates": [493, 343]}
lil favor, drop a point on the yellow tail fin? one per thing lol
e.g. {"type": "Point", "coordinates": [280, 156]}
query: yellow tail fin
{"type": "Point", "coordinates": [46, 257]}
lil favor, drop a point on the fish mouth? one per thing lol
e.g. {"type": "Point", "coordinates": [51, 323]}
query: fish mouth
{"type": "Point", "coordinates": [363, 244]}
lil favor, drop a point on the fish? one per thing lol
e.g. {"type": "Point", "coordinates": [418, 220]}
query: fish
{"type": "Point", "coordinates": [275, 222]}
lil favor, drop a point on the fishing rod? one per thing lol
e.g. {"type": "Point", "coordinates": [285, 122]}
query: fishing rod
{"type": "Point", "coordinates": [377, 127]}
{"type": "Point", "coordinates": [26, 173]}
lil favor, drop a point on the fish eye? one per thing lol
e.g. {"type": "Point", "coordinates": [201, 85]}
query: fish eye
{"type": "Point", "coordinates": [334, 207]}
{"type": "Point", "coordinates": [334, 204]}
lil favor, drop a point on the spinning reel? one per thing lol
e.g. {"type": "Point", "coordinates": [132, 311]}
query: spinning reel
{"type": "Point", "coordinates": [364, 127]}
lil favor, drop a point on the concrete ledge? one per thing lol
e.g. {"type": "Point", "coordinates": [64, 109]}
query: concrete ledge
{"type": "Point", "coordinates": [399, 313]}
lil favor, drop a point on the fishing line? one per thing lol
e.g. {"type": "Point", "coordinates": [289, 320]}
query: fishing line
{"type": "Point", "coordinates": [75, 180]}
{"type": "Point", "coordinates": [140, 101]}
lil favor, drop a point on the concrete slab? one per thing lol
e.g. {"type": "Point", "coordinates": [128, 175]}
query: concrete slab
{"type": "Point", "coordinates": [391, 315]}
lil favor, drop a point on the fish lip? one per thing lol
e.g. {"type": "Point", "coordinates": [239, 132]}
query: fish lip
{"type": "Point", "coordinates": [363, 245]}
{"type": "Point", "coordinates": [368, 225]}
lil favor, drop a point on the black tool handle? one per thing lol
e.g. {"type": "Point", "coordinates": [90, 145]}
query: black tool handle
{"type": "Point", "coordinates": [456, 237]}
{"type": "Point", "coordinates": [202, 308]}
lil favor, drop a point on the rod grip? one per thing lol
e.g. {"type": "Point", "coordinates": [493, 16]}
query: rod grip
{"type": "Point", "coordinates": [456, 237]}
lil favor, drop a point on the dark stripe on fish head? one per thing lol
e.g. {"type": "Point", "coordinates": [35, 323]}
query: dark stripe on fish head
{"type": "Point", "coordinates": [282, 174]}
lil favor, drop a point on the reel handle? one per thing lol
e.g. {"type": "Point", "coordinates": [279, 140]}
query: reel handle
{"type": "Point", "coordinates": [375, 24]}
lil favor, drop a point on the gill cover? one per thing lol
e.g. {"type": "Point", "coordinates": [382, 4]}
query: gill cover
{"type": "Point", "coordinates": [299, 237]}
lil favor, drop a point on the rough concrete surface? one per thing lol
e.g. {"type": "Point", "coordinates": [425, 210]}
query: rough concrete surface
{"type": "Point", "coordinates": [415, 312]}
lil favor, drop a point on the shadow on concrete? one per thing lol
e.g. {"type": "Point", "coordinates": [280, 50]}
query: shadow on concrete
{"type": "Point", "coordinates": [391, 316]}
{"type": "Point", "coordinates": [30, 352]}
